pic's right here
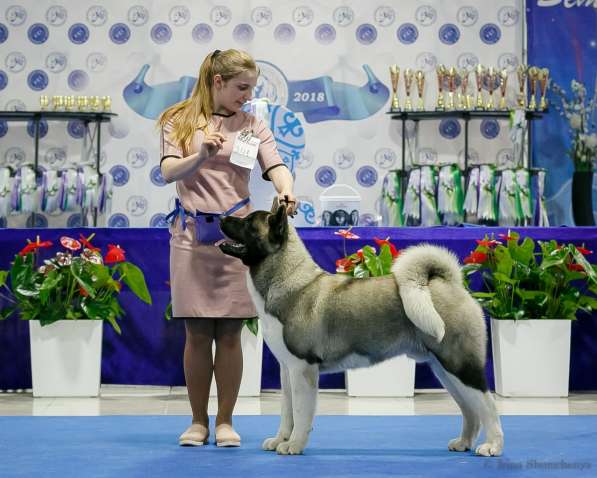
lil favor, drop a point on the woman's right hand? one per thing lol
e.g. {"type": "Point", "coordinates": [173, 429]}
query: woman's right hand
{"type": "Point", "coordinates": [212, 143]}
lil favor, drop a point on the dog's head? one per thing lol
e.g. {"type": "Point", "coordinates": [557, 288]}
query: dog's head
{"type": "Point", "coordinates": [256, 236]}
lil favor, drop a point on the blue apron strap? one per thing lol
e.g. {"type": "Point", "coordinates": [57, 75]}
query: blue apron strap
{"type": "Point", "coordinates": [237, 206]}
{"type": "Point", "coordinates": [177, 211]}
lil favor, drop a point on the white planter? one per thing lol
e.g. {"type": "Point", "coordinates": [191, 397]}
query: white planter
{"type": "Point", "coordinates": [66, 358]}
{"type": "Point", "coordinates": [531, 358]}
{"type": "Point", "coordinates": [252, 345]}
{"type": "Point", "coordinates": [392, 378]}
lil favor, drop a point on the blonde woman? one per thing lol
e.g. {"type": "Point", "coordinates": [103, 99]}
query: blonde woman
{"type": "Point", "coordinates": [208, 288]}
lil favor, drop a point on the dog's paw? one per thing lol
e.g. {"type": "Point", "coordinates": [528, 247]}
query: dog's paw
{"type": "Point", "coordinates": [459, 444]}
{"type": "Point", "coordinates": [270, 444]}
{"type": "Point", "coordinates": [489, 449]}
{"type": "Point", "coordinates": [291, 447]}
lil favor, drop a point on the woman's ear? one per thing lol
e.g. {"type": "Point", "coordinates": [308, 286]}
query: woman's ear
{"type": "Point", "coordinates": [217, 82]}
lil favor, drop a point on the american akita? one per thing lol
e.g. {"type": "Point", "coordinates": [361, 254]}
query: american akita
{"type": "Point", "coordinates": [316, 322]}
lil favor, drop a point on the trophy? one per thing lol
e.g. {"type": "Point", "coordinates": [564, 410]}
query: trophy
{"type": "Point", "coordinates": [408, 82]}
{"type": "Point", "coordinates": [420, 77]}
{"type": "Point", "coordinates": [395, 77]}
{"type": "Point", "coordinates": [464, 101]}
{"type": "Point", "coordinates": [451, 88]}
{"type": "Point", "coordinates": [503, 78]}
{"type": "Point", "coordinates": [533, 78]}
{"type": "Point", "coordinates": [521, 73]}
{"type": "Point", "coordinates": [82, 103]}
{"type": "Point", "coordinates": [441, 74]}
{"type": "Point", "coordinates": [69, 103]}
{"type": "Point", "coordinates": [44, 102]}
{"type": "Point", "coordinates": [491, 79]}
{"type": "Point", "coordinates": [479, 74]}
{"type": "Point", "coordinates": [57, 103]}
{"type": "Point", "coordinates": [95, 103]}
{"type": "Point", "coordinates": [543, 82]}
{"type": "Point", "coordinates": [107, 103]}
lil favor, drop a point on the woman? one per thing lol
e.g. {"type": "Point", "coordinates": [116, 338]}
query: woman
{"type": "Point", "coordinates": [209, 288]}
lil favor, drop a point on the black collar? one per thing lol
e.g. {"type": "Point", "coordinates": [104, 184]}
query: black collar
{"type": "Point", "coordinates": [225, 115]}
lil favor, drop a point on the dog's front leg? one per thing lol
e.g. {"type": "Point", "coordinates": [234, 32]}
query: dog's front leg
{"type": "Point", "coordinates": [304, 382]}
{"type": "Point", "coordinates": [286, 420]}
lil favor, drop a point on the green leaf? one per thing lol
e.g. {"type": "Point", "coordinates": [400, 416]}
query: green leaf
{"type": "Point", "coordinates": [76, 269]}
{"type": "Point", "coordinates": [168, 313]}
{"type": "Point", "coordinates": [7, 312]}
{"type": "Point", "coordinates": [133, 277]}
{"type": "Point", "coordinates": [361, 271]}
{"type": "Point", "coordinates": [580, 259]}
{"type": "Point", "coordinates": [252, 325]}
{"type": "Point", "coordinates": [504, 278]}
{"type": "Point", "coordinates": [372, 262]}
{"type": "Point", "coordinates": [503, 260]}
{"type": "Point", "coordinates": [3, 276]}
{"type": "Point", "coordinates": [385, 258]}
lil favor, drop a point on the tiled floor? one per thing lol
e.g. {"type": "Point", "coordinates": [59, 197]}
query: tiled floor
{"type": "Point", "coordinates": [148, 400]}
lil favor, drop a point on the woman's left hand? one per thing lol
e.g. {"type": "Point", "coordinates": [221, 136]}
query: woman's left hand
{"type": "Point", "coordinates": [288, 199]}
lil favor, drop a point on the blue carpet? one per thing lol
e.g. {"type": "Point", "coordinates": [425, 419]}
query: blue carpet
{"type": "Point", "coordinates": [341, 446]}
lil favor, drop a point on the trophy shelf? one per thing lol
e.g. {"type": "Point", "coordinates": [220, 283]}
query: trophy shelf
{"type": "Point", "coordinates": [461, 114]}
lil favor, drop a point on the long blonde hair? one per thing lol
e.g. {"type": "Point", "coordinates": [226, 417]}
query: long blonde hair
{"type": "Point", "coordinates": [195, 112]}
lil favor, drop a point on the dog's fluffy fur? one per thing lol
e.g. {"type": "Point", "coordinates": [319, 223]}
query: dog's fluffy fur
{"type": "Point", "coordinates": [316, 322]}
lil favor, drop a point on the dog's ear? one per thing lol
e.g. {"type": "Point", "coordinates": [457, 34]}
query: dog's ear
{"type": "Point", "coordinates": [278, 224]}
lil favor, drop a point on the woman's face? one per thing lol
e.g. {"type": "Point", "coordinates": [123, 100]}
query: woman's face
{"type": "Point", "coordinates": [232, 94]}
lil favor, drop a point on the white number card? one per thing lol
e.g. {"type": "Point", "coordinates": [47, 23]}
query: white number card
{"type": "Point", "coordinates": [244, 149]}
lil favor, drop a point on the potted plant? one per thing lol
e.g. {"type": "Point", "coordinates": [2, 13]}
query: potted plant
{"type": "Point", "coordinates": [531, 296]}
{"type": "Point", "coordinates": [66, 299]}
{"type": "Point", "coordinates": [373, 381]}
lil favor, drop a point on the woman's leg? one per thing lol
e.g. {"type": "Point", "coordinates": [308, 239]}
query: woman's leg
{"type": "Point", "coordinates": [198, 365]}
{"type": "Point", "coordinates": [228, 366]}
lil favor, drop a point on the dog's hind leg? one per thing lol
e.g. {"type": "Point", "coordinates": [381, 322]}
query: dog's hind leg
{"type": "Point", "coordinates": [286, 420]}
{"type": "Point", "coordinates": [479, 406]}
{"type": "Point", "coordinates": [304, 381]}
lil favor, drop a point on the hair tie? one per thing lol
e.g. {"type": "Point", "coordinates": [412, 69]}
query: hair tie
{"type": "Point", "coordinates": [216, 53]}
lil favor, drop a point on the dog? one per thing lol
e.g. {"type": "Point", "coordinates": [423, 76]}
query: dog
{"type": "Point", "coordinates": [314, 322]}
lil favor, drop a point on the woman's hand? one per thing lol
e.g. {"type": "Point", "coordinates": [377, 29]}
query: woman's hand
{"type": "Point", "coordinates": [288, 199]}
{"type": "Point", "coordinates": [212, 142]}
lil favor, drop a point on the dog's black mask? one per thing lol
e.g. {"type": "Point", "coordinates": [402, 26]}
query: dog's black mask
{"type": "Point", "coordinates": [256, 236]}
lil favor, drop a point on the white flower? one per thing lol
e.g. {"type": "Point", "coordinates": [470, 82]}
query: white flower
{"type": "Point", "coordinates": [591, 140]}
{"type": "Point", "coordinates": [575, 121]}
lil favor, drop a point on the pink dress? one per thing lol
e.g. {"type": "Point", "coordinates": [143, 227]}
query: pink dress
{"type": "Point", "coordinates": [204, 281]}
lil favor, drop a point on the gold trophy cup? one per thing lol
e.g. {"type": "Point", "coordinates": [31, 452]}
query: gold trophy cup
{"type": "Point", "coordinates": [451, 88]}
{"type": "Point", "coordinates": [491, 79]}
{"type": "Point", "coordinates": [521, 73]}
{"type": "Point", "coordinates": [107, 103]}
{"type": "Point", "coordinates": [420, 78]}
{"type": "Point", "coordinates": [503, 77]}
{"type": "Point", "coordinates": [44, 102]}
{"type": "Point", "coordinates": [464, 100]}
{"type": "Point", "coordinates": [543, 83]}
{"type": "Point", "coordinates": [533, 79]}
{"type": "Point", "coordinates": [82, 103]}
{"type": "Point", "coordinates": [408, 82]}
{"type": "Point", "coordinates": [479, 74]}
{"type": "Point", "coordinates": [441, 74]}
{"type": "Point", "coordinates": [395, 77]}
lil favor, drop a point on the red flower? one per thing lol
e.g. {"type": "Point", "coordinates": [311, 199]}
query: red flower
{"type": "Point", "coordinates": [87, 244]}
{"type": "Point", "coordinates": [344, 265]}
{"type": "Point", "coordinates": [491, 243]}
{"type": "Point", "coordinates": [583, 251]}
{"type": "Point", "coordinates": [380, 242]}
{"type": "Point", "coordinates": [83, 292]}
{"type": "Point", "coordinates": [70, 243]}
{"type": "Point", "coordinates": [360, 255]}
{"type": "Point", "coordinates": [346, 234]}
{"type": "Point", "coordinates": [115, 254]}
{"type": "Point", "coordinates": [34, 246]}
{"type": "Point", "coordinates": [576, 267]}
{"type": "Point", "coordinates": [475, 257]}
{"type": "Point", "coordinates": [506, 237]}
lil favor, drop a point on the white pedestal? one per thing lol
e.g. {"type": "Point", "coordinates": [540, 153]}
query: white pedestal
{"type": "Point", "coordinates": [531, 358]}
{"type": "Point", "coordinates": [66, 358]}
{"type": "Point", "coordinates": [392, 378]}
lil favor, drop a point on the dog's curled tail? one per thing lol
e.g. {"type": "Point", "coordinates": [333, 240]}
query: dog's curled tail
{"type": "Point", "coordinates": [414, 268]}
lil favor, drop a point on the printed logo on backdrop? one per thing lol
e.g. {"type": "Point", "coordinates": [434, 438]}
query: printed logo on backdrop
{"type": "Point", "coordinates": [467, 60]}
{"type": "Point", "coordinates": [490, 128]}
{"type": "Point", "coordinates": [158, 220]}
{"type": "Point", "coordinates": [271, 84]}
{"type": "Point", "coordinates": [179, 15]}
{"type": "Point", "coordinates": [96, 62]}
{"type": "Point", "coordinates": [118, 128]}
{"type": "Point", "coordinates": [367, 219]}
{"type": "Point", "coordinates": [118, 220]}
{"type": "Point", "coordinates": [407, 33]}
{"type": "Point", "coordinates": [3, 80]}
{"type": "Point", "coordinates": [303, 16]}
{"type": "Point", "coordinates": [15, 105]}
{"type": "Point", "coordinates": [3, 127]}
{"type": "Point", "coordinates": [78, 33]}
{"type": "Point", "coordinates": [15, 62]}
{"type": "Point", "coordinates": [156, 176]}
{"type": "Point", "coordinates": [202, 33]}
{"type": "Point", "coordinates": [3, 33]}
{"type": "Point", "coordinates": [136, 205]}
{"type": "Point", "coordinates": [76, 129]}
{"type": "Point", "coordinates": [43, 128]}
{"type": "Point", "coordinates": [343, 158]}
{"type": "Point", "coordinates": [473, 156]}
{"type": "Point", "coordinates": [55, 157]}
{"type": "Point", "coordinates": [161, 33]}
{"type": "Point", "coordinates": [384, 16]}
{"type": "Point", "coordinates": [449, 128]}
{"type": "Point", "coordinates": [305, 207]}
{"type": "Point", "coordinates": [325, 33]}
{"type": "Point", "coordinates": [509, 61]}
{"type": "Point", "coordinates": [75, 220]}
{"type": "Point", "coordinates": [325, 176]}
{"type": "Point", "coordinates": [505, 158]}
{"type": "Point", "coordinates": [426, 15]}
{"type": "Point", "coordinates": [385, 158]}
{"type": "Point", "coordinates": [343, 16]}
{"type": "Point", "coordinates": [16, 15]}
{"type": "Point", "coordinates": [56, 62]}
{"type": "Point", "coordinates": [366, 34]}
{"type": "Point", "coordinates": [261, 16]}
{"type": "Point", "coordinates": [37, 80]}
{"type": "Point", "coordinates": [306, 160]}
{"type": "Point", "coordinates": [56, 15]}
{"type": "Point", "coordinates": [38, 33]}
{"type": "Point", "coordinates": [137, 157]}
{"type": "Point", "coordinates": [426, 61]}
{"type": "Point", "coordinates": [97, 15]}
{"type": "Point", "coordinates": [119, 33]}
{"type": "Point", "coordinates": [449, 34]}
{"type": "Point", "coordinates": [14, 156]}
{"type": "Point", "coordinates": [467, 16]}
{"type": "Point", "coordinates": [220, 16]}
{"type": "Point", "coordinates": [427, 156]}
{"type": "Point", "coordinates": [93, 157]}
{"type": "Point", "coordinates": [366, 176]}
{"type": "Point", "coordinates": [78, 80]}
{"type": "Point", "coordinates": [137, 15]}
{"type": "Point", "coordinates": [284, 33]}
{"type": "Point", "coordinates": [490, 33]}
{"type": "Point", "coordinates": [243, 33]}
{"type": "Point", "coordinates": [508, 16]}
{"type": "Point", "coordinates": [120, 174]}
{"type": "Point", "coordinates": [40, 221]}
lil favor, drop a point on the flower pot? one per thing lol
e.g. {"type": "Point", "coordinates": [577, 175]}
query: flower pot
{"type": "Point", "coordinates": [252, 346]}
{"type": "Point", "coordinates": [531, 358]}
{"type": "Point", "coordinates": [66, 358]}
{"type": "Point", "coordinates": [582, 198]}
{"type": "Point", "coordinates": [393, 378]}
